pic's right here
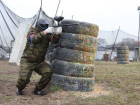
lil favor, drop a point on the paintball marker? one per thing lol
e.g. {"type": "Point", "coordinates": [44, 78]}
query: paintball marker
{"type": "Point", "coordinates": [58, 19]}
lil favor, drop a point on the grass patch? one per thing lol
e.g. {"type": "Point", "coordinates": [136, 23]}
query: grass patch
{"type": "Point", "coordinates": [35, 76]}
{"type": "Point", "coordinates": [122, 82]}
{"type": "Point", "coordinates": [11, 77]}
{"type": "Point", "coordinates": [55, 88]}
{"type": "Point", "coordinates": [6, 98]}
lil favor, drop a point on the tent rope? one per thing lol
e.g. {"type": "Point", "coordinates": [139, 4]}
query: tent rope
{"type": "Point", "coordinates": [9, 15]}
{"type": "Point", "coordinates": [7, 26]}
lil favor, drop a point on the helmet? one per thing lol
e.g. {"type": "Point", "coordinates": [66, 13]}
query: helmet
{"type": "Point", "coordinates": [42, 24]}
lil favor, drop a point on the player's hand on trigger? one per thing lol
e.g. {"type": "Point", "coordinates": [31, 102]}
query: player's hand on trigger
{"type": "Point", "coordinates": [58, 31]}
{"type": "Point", "coordinates": [49, 30]}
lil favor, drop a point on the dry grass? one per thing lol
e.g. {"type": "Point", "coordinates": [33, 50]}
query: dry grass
{"type": "Point", "coordinates": [122, 80]}
{"type": "Point", "coordinates": [115, 85]}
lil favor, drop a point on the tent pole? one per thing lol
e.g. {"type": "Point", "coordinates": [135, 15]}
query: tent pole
{"type": "Point", "coordinates": [57, 7]}
{"type": "Point", "coordinates": [114, 42]}
{"type": "Point", "coordinates": [38, 14]}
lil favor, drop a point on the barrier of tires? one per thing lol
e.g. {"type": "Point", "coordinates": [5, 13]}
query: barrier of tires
{"type": "Point", "coordinates": [72, 69]}
{"type": "Point", "coordinates": [49, 55]}
{"type": "Point", "coordinates": [123, 54]}
{"type": "Point", "coordinates": [78, 42]}
{"type": "Point", "coordinates": [76, 27]}
{"type": "Point", "coordinates": [77, 56]}
{"type": "Point", "coordinates": [73, 83]}
{"type": "Point", "coordinates": [73, 59]}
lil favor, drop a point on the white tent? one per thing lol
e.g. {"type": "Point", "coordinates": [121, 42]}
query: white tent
{"type": "Point", "coordinates": [15, 28]}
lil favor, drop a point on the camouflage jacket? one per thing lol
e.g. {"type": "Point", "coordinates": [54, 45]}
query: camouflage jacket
{"type": "Point", "coordinates": [35, 51]}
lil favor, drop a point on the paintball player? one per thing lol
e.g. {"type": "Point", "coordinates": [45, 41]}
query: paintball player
{"type": "Point", "coordinates": [33, 57]}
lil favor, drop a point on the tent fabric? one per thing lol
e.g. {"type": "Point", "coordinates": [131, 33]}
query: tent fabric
{"type": "Point", "coordinates": [14, 28]}
{"type": "Point", "coordinates": [10, 25]}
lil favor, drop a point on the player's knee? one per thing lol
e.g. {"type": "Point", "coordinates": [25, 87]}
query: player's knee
{"type": "Point", "coordinates": [25, 80]}
{"type": "Point", "coordinates": [47, 74]}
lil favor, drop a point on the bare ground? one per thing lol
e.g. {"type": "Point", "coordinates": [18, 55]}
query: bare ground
{"type": "Point", "coordinates": [9, 76]}
{"type": "Point", "coordinates": [115, 85]}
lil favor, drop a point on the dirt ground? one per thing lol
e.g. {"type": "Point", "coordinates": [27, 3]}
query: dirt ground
{"type": "Point", "coordinates": [55, 96]}
{"type": "Point", "coordinates": [115, 85]}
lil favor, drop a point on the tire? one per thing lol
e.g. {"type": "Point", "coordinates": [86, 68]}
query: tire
{"type": "Point", "coordinates": [123, 59]}
{"type": "Point", "coordinates": [52, 47]}
{"type": "Point", "coordinates": [123, 62]}
{"type": "Point", "coordinates": [76, 27]}
{"type": "Point", "coordinates": [78, 42]}
{"type": "Point", "coordinates": [50, 57]}
{"type": "Point", "coordinates": [74, 56]}
{"type": "Point", "coordinates": [73, 83]}
{"type": "Point", "coordinates": [122, 55]}
{"type": "Point", "coordinates": [123, 48]}
{"type": "Point", "coordinates": [72, 69]}
{"type": "Point", "coordinates": [122, 51]}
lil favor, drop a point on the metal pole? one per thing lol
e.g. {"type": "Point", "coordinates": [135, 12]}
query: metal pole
{"type": "Point", "coordinates": [37, 17]}
{"type": "Point", "coordinates": [72, 17]}
{"type": "Point", "coordinates": [57, 7]}
{"type": "Point", "coordinates": [114, 42]}
{"type": "Point", "coordinates": [39, 11]}
{"type": "Point", "coordinates": [62, 13]}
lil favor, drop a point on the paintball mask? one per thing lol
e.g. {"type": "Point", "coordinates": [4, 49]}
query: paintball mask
{"type": "Point", "coordinates": [42, 24]}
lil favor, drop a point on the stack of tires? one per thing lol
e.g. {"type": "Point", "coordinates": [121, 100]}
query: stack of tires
{"type": "Point", "coordinates": [49, 55]}
{"type": "Point", "coordinates": [123, 54]}
{"type": "Point", "coordinates": [73, 66]}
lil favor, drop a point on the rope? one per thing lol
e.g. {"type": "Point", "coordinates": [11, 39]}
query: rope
{"type": "Point", "coordinates": [4, 37]}
{"type": "Point", "coordinates": [1, 41]}
{"type": "Point", "coordinates": [2, 47]}
{"type": "Point", "coordinates": [38, 14]}
{"type": "Point", "coordinates": [7, 26]}
{"type": "Point", "coordinates": [9, 15]}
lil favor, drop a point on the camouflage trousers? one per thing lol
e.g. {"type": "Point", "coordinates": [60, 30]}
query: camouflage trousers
{"type": "Point", "coordinates": [25, 72]}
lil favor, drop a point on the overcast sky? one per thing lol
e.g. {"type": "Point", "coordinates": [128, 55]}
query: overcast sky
{"type": "Point", "coordinates": [107, 14]}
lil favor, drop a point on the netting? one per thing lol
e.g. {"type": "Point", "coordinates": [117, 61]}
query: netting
{"type": "Point", "coordinates": [109, 41]}
{"type": "Point", "coordinates": [10, 24]}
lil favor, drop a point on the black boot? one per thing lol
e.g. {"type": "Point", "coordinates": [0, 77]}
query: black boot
{"type": "Point", "coordinates": [39, 92]}
{"type": "Point", "coordinates": [19, 92]}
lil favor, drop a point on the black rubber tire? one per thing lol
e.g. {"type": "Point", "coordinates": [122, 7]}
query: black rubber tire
{"type": "Point", "coordinates": [74, 56]}
{"type": "Point", "coordinates": [78, 42]}
{"type": "Point", "coordinates": [76, 27]}
{"type": "Point", "coordinates": [123, 48]}
{"type": "Point", "coordinates": [72, 69]}
{"type": "Point", "coordinates": [50, 56]}
{"type": "Point", "coordinates": [52, 47]}
{"type": "Point", "coordinates": [73, 83]}
{"type": "Point", "coordinates": [122, 51]}
{"type": "Point", "coordinates": [122, 55]}
{"type": "Point", "coordinates": [122, 62]}
{"type": "Point", "coordinates": [123, 59]}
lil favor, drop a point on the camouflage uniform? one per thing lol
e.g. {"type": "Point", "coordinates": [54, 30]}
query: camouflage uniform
{"type": "Point", "coordinates": [33, 59]}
